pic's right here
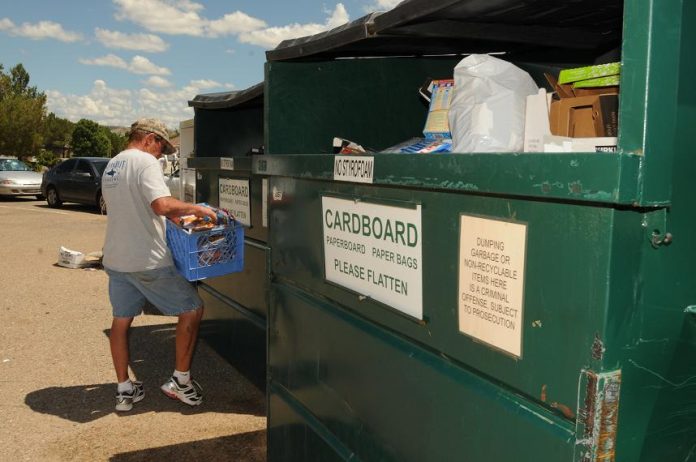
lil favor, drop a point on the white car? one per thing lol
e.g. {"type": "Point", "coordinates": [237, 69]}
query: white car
{"type": "Point", "coordinates": [18, 179]}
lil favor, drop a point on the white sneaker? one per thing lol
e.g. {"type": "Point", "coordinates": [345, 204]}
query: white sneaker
{"type": "Point", "coordinates": [125, 399]}
{"type": "Point", "coordinates": [191, 393]}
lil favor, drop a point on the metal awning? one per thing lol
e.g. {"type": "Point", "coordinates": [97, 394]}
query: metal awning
{"type": "Point", "coordinates": [252, 96]}
{"type": "Point", "coordinates": [435, 27]}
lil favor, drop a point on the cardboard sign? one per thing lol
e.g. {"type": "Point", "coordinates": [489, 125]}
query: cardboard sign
{"type": "Point", "coordinates": [375, 250]}
{"type": "Point", "coordinates": [234, 196]}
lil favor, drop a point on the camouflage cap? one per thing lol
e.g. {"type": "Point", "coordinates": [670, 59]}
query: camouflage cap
{"type": "Point", "coordinates": [158, 128]}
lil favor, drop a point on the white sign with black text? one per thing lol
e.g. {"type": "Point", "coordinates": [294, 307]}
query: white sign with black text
{"type": "Point", "coordinates": [355, 169]}
{"type": "Point", "coordinates": [226, 163]}
{"type": "Point", "coordinates": [234, 196]}
{"type": "Point", "coordinates": [492, 257]}
{"type": "Point", "coordinates": [376, 251]}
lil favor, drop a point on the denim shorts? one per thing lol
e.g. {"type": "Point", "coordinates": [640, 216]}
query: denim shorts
{"type": "Point", "coordinates": [164, 288]}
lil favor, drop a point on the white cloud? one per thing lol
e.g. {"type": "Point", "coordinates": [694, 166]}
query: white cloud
{"type": "Point", "coordinates": [108, 60]}
{"type": "Point", "coordinates": [381, 5]}
{"type": "Point", "coordinates": [138, 42]}
{"type": "Point", "coordinates": [182, 18]}
{"type": "Point", "coordinates": [234, 23]}
{"type": "Point", "coordinates": [205, 84]}
{"type": "Point", "coordinates": [40, 30]}
{"type": "Point", "coordinates": [156, 81]}
{"type": "Point", "coordinates": [137, 65]}
{"type": "Point", "coordinates": [272, 36]}
{"type": "Point", "coordinates": [142, 65]}
{"type": "Point", "coordinates": [117, 107]}
{"type": "Point", "coordinates": [169, 17]}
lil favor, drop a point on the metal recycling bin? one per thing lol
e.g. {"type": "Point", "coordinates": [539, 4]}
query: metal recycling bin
{"type": "Point", "coordinates": [228, 129]}
{"type": "Point", "coordinates": [481, 307]}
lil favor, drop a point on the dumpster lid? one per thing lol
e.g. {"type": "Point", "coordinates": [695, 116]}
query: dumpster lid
{"type": "Point", "coordinates": [433, 27]}
{"type": "Point", "coordinates": [252, 96]}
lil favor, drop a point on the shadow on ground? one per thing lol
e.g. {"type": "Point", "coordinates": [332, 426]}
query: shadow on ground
{"type": "Point", "coordinates": [71, 207]}
{"type": "Point", "coordinates": [152, 360]}
{"type": "Point", "coordinates": [245, 447]}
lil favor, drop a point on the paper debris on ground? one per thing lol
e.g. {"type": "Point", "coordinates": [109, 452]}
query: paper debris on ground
{"type": "Point", "coordinates": [75, 259]}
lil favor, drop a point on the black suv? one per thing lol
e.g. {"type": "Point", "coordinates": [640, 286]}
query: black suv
{"type": "Point", "coordinates": [75, 180]}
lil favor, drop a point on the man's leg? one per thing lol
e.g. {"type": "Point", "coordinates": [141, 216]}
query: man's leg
{"type": "Point", "coordinates": [118, 340]}
{"type": "Point", "coordinates": [186, 335]}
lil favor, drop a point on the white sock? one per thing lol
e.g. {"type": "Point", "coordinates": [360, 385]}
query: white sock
{"type": "Point", "coordinates": [183, 377]}
{"type": "Point", "coordinates": [125, 386]}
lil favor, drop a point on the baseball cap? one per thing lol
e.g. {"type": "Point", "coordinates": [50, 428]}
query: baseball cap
{"type": "Point", "coordinates": [158, 128]}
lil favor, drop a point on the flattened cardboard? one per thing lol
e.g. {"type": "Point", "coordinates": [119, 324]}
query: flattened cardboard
{"type": "Point", "coordinates": [585, 116]}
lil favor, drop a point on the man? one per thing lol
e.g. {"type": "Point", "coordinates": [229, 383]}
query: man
{"type": "Point", "coordinates": [139, 264]}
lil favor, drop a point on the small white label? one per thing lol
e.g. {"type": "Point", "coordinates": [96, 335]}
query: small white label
{"type": "Point", "coordinates": [375, 250]}
{"type": "Point", "coordinates": [226, 163]}
{"type": "Point", "coordinates": [264, 202]}
{"type": "Point", "coordinates": [277, 194]}
{"type": "Point", "coordinates": [355, 169]}
{"type": "Point", "coordinates": [491, 281]}
{"type": "Point", "coordinates": [234, 196]}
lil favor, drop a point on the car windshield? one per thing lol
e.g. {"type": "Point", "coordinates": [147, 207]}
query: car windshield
{"type": "Point", "coordinates": [100, 165]}
{"type": "Point", "coordinates": [13, 165]}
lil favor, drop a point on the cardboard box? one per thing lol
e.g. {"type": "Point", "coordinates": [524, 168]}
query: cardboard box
{"type": "Point", "coordinates": [437, 123]}
{"type": "Point", "coordinates": [584, 113]}
{"type": "Point", "coordinates": [588, 72]}
{"type": "Point", "coordinates": [536, 121]}
{"type": "Point", "coordinates": [566, 144]}
{"type": "Point", "coordinates": [585, 116]}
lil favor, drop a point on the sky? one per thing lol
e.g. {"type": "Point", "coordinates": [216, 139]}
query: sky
{"type": "Point", "coordinates": [113, 61]}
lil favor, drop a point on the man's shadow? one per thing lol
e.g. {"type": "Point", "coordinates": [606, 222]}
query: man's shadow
{"type": "Point", "coordinates": [152, 360]}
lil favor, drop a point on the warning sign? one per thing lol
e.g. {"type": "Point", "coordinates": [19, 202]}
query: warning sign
{"type": "Point", "coordinates": [491, 281]}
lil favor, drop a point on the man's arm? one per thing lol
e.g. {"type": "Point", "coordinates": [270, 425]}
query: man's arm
{"type": "Point", "coordinates": [171, 207]}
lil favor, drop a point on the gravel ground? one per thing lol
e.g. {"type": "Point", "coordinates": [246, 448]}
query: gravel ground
{"type": "Point", "coordinates": [56, 377]}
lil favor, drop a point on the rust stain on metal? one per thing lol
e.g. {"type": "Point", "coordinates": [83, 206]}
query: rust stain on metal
{"type": "Point", "coordinates": [588, 410]}
{"type": "Point", "coordinates": [599, 416]}
{"type": "Point", "coordinates": [598, 348]}
{"type": "Point", "coordinates": [543, 393]}
{"type": "Point", "coordinates": [565, 410]}
{"type": "Point", "coordinates": [608, 420]}
{"type": "Point", "coordinates": [575, 187]}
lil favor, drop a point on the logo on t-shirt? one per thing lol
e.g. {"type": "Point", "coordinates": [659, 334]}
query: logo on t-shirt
{"type": "Point", "coordinates": [112, 173]}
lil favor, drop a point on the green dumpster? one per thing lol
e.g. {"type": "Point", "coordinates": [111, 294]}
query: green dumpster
{"type": "Point", "coordinates": [481, 307]}
{"type": "Point", "coordinates": [228, 129]}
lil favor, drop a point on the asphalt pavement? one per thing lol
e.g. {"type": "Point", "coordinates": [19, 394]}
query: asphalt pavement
{"type": "Point", "coordinates": [56, 377]}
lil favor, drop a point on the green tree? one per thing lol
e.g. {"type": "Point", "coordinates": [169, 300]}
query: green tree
{"type": "Point", "coordinates": [88, 139]}
{"type": "Point", "coordinates": [118, 142]}
{"type": "Point", "coordinates": [46, 158]}
{"type": "Point", "coordinates": [22, 113]}
{"type": "Point", "coordinates": [57, 132]}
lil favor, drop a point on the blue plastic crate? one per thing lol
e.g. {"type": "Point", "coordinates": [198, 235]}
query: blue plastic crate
{"type": "Point", "coordinates": [205, 254]}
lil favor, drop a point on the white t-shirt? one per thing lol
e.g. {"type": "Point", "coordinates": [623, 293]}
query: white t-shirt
{"type": "Point", "coordinates": [135, 235]}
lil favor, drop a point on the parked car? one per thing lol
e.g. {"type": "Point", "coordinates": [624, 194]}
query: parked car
{"type": "Point", "coordinates": [75, 180]}
{"type": "Point", "coordinates": [18, 179]}
{"type": "Point", "coordinates": [174, 183]}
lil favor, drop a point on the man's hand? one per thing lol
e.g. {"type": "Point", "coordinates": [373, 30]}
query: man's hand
{"type": "Point", "coordinates": [171, 207]}
{"type": "Point", "coordinates": [203, 211]}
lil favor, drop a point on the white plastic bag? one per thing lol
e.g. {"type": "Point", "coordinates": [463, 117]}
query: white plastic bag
{"type": "Point", "coordinates": [488, 109]}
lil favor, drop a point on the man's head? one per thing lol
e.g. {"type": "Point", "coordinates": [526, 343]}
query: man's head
{"type": "Point", "coordinates": [151, 136]}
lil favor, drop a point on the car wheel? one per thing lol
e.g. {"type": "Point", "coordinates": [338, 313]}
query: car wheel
{"type": "Point", "coordinates": [52, 198]}
{"type": "Point", "coordinates": [101, 203]}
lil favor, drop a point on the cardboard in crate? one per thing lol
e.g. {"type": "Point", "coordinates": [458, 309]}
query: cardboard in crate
{"type": "Point", "coordinates": [205, 254]}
